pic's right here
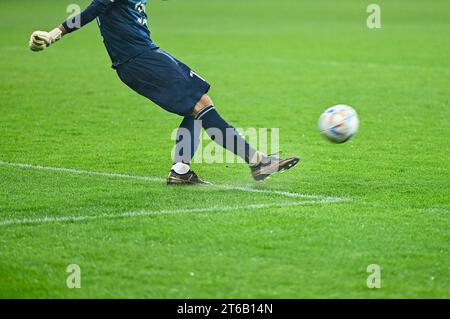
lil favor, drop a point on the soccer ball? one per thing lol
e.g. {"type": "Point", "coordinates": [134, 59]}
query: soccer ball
{"type": "Point", "coordinates": [339, 123]}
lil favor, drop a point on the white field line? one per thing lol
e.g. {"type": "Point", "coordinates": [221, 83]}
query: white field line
{"type": "Point", "coordinates": [154, 179]}
{"type": "Point", "coordinates": [143, 213]}
{"type": "Point", "coordinates": [83, 172]}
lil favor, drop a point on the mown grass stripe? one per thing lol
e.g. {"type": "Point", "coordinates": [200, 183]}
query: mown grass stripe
{"type": "Point", "coordinates": [154, 179]}
{"type": "Point", "coordinates": [143, 213]}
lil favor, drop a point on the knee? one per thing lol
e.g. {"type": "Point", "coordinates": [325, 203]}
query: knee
{"type": "Point", "coordinates": [204, 102]}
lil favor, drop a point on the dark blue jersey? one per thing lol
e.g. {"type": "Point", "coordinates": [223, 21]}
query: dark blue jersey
{"type": "Point", "coordinates": [140, 64]}
{"type": "Point", "coordinates": [123, 25]}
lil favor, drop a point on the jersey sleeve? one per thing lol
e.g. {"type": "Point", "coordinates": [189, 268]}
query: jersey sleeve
{"type": "Point", "coordinates": [96, 8]}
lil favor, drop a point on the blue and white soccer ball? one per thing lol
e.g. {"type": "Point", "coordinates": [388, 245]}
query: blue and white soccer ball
{"type": "Point", "coordinates": [339, 123]}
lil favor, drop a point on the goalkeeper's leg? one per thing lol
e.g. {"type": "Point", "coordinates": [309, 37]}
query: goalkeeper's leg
{"type": "Point", "coordinates": [188, 139]}
{"type": "Point", "coordinates": [262, 166]}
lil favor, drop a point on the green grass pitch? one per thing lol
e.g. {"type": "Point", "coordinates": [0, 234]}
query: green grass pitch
{"type": "Point", "coordinates": [274, 64]}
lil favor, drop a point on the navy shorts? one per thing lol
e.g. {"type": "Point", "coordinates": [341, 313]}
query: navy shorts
{"type": "Point", "coordinates": [163, 79]}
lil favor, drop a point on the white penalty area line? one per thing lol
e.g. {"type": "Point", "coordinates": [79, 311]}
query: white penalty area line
{"type": "Point", "coordinates": [144, 213]}
{"type": "Point", "coordinates": [312, 199]}
{"type": "Point", "coordinates": [154, 179]}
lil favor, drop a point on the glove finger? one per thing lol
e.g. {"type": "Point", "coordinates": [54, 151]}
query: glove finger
{"type": "Point", "coordinates": [36, 47]}
{"type": "Point", "coordinates": [38, 42]}
{"type": "Point", "coordinates": [40, 37]}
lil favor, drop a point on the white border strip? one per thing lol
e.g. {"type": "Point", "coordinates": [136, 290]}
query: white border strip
{"type": "Point", "coordinates": [82, 172]}
{"type": "Point", "coordinates": [143, 213]}
{"type": "Point", "coordinates": [161, 180]}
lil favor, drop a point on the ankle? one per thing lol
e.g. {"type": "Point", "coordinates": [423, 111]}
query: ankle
{"type": "Point", "coordinates": [257, 159]}
{"type": "Point", "coordinates": [181, 168]}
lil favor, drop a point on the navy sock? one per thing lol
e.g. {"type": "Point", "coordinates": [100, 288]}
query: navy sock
{"type": "Point", "coordinates": [229, 137]}
{"type": "Point", "coordinates": [188, 139]}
